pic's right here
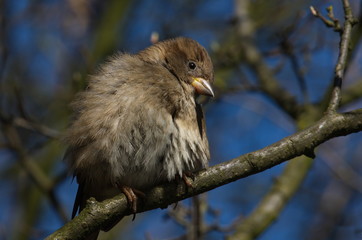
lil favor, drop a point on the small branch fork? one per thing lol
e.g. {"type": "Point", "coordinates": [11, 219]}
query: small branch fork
{"type": "Point", "coordinates": [332, 22]}
{"type": "Point", "coordinates": [346, 33]}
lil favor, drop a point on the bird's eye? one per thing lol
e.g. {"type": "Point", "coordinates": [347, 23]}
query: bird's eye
{"type": "Point", "coordinates": [192, 65]}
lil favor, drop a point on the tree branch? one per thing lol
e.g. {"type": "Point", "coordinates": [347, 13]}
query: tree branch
{"type": "Point", "coordinates": [41, 180]}
{"type": "Point", "coordinates": [274, 201]}
{"type": "Point", "coordinates": [282, 189]}
{"type": "Point", "coordinates": [36, 127]}
{"type": "Point", "coordinates": [253, 57]}
{"type": "Point", "coordinates": [346, 33]}
{"type": "Point", "coordinates": [96, 214]}
{"type": "Point", "coordinates": [342, 59]}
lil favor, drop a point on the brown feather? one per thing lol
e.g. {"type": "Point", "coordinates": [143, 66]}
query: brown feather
{"type": "Point", "coordinates": [138, 123]}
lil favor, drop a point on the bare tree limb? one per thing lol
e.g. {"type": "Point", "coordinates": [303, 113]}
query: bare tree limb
{"type": "Point", "coordinates": [341, 168]}
{"type": "Point", "coordinates": [342, 58]}
{"type": "Point", "coordinates": [274, 201]}
{"type": "Point", "coordinates": [41, 180]}
{"type": "Point", "coordinates": [332, 204]}
{"type": "Point", "coordinates": [32, 169]}
{"type": "Point", "coordinates": [197, 219]}
{"type": "Point", "coordinates": [299, 74]}
{"type": "Point", "coordinates": [346, 34]}
{"type": "Point", "coordinates": [37, 127]}
{"type": "Point", "coordinates": [281, 191]}
{"type": "Point", "coordinates": [268, 84]}
{"type": "Point", "coordinates": [96, 214]}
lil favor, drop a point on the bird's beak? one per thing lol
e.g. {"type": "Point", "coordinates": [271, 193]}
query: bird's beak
{"type": "Point", "coordinates": [202, 87]}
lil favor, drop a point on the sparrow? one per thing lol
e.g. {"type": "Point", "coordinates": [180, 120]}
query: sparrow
{"type": "Point", "coordinates": [138, 122]}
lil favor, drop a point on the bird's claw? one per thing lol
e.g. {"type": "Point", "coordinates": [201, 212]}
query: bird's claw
{"type": "Point", "coordinates": [185, 178]}
{"type": "Point", "coordinates": [131, 195]}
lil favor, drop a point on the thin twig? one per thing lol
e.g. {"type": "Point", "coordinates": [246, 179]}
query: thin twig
{"type": "Point", "coordinates": [346, 33]}
{"type": "Point", "coordinates": [288, 50]}
{"type": "Point", "coordinates": [333, 23]}
{"type": "Point", "coordinates": [252, 56]}
{"type": "Point", "coordinates": [36, 127]}
{"type": "Point", "coordinates": [341, 168]}
{"type": "Point", "coordinates": [333, 202]}
{"type": "Point", "coordinates": [342, 58]}
{"type": "Point", "coordinates": [180, 215]}
{"type": "Point", "coordinates": [32, 169]}
{"type": "Point", "coordinates": [196, 218]}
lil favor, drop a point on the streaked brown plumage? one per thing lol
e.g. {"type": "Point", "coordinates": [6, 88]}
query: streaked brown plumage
{"type": "Point", "coordinates": [138, 123]}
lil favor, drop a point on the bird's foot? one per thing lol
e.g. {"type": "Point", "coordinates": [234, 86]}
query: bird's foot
{"type": "Point", "coordinates": [132, 198]}
{"type": "Point", "coordinates": [185, 178]}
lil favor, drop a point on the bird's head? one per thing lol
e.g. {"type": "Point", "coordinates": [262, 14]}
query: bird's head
{"type": "Point", "coordinates": [187, 60]}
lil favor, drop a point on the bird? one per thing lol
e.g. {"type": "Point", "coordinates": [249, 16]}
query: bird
{"type": "Point", "coordinates": [138, 123]}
